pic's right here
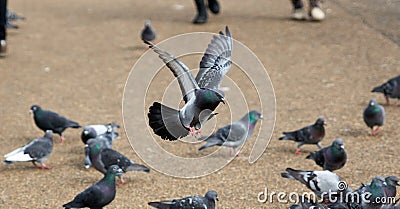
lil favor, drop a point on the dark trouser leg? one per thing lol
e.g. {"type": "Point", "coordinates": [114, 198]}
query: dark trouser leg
{"type": "Point", "coordinates": [214, 6]}
{"type": "Point", "coordinates": [3, 19]}
{"type": "Point", "coordinates": [201, 16]}
{"type": "Point", "coordinates": [297, 4]}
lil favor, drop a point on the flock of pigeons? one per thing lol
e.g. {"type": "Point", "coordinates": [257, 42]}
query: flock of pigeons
{"type": "Point", "coordinates": [379, 194]}
{"type": "Point", "coordinates": [202, 96]}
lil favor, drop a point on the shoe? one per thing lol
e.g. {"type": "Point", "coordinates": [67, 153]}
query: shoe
{"type": "Point", "coordinates": [316, 12]}
{"type": "Point", "coordinates": [3, 48]}
{"type": "Point", "coordinates": [201, 16]}
{"type": "Point", "coordinates": [299, 14]}
{"type": "Point", "coordinates": [213, 5]}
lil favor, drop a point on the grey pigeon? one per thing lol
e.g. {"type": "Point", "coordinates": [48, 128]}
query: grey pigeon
{"type": "Point", "coordinates": [103, 158]}
{"type": "Point", "coordinates": [48, 120]}
{"type": "Point", "coordinates": [92, 131]}
{"type": "Point", "coordinates": [391, 183]}
{"type": "Point", "coordinates": [148, 33]}
{"type": "Point", "coordinates": [374, 116]}
{"type": "Point", "coordinates": [312, 134]}
{"type": "Point", "coordinates": [391, 89]}
{"type": "Point", "coordinates": [106, 139]}
{"type": "Point", "coordinates": [12, 16]}
{"type": "Point", "coordinates": [192, 202]}
{"type": "Point", "coordinates": [201, 95]}
{"type": "Point", "coordinates": [320, 182]}
{"type": "Point", "coordinates": [235, 134]}
{"type": "Point", "coordinates": [38, 150]}
{"type": "Point", "coordinates": [373, 194]}
{"type": "Point", "coordinates": [98, 195]}
{"type": "Point", "coordinates": [330, 158]}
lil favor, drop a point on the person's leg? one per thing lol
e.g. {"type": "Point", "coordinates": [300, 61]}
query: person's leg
{"type": "Point", "coordinates": [3, 32]}
{"type": "Point", "coordinates": [214, 6]}
{"type": "Point", "coordinates": [316, 12]}
{"type": "Point", "coordinates": [201, 16]}
{"type": "Point", "coordinates": [298, 11]}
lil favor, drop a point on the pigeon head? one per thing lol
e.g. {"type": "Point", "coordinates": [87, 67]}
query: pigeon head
{"type": "Point", "coordinates": [338, 144]}
{"type": "Point", "coordinates": [147, 23]}
{"type": "Point", "coordinates": [254, 116]}
{"type": "Point", "coordinates": [89, 133]}
{"type": "Point", "coordinates": [48, 134]}
{"type": "Point", "coordinates": [212, 195]}
{"type": "Point", "coordinates": [115, 169]}
{"type": "Point", "coordinates": [211, 95]}
{"type": "Point", "coordinates": [378, 181]}
{"type": "Point", "coordinates": [35, 108]}
{"type": "Point", "coordinates": [392, 181]}
{"type": "Point", "coordinates": [320, 122]}
{"type": "Point", "coordinates": [372, 103]}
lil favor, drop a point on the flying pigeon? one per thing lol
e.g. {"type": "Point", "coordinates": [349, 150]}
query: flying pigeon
{"type": "Point", "coordinates": [391, 89]}
{"type": "Point", "coordinates": [98, 195]}
{"type": "Point", "coordinates": [374, 116]}
{"type": "Point", "coordinates": [192, 202]}
{"type": "Point", "coordinates": [201, 95]}
{"type": "Point", "coordinates": [320, 182]}
{"type": "Point", "coordinates": [312, 134]}
{"type": "Point", "coordinates": [103, 158]}
{"type": "Point", "coordinates": [375, 191]}
{"type": "Point", "coordinates": [148, 33]}
{"type": "Point", "coordinates": [105, 139]}
{"type": "Point", "coordinates": [92, 131]}
{"type": "Point", "coordinates": [38, 150]}
{"type": "Point", "coordinates": [235, 134]}
{"type": "Point", "coordinates": [330, 158]}
{"type": "Point", "coordinates": [48, 120]}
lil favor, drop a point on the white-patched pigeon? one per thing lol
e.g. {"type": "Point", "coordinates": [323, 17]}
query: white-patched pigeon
{"type": "Point", "coordinates": [201, 95]}
{"type": "Point", "coordinates": [192, 202]}
{"type": "Point", "coordinates": [38, 150]}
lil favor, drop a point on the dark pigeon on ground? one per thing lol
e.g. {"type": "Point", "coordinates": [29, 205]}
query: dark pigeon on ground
{"type": "Point", "coordinates": [201, 95]}
{"type": "Point", "coordinates": [330, 158]}
{"type": "Point", "coordinates": [48, 120]}
{"type": "Point", "coordinates": [312, 134]}
{"type": "Point", "coordinates": [390, 89]}
{"type": "Point", "coordinates": [103, 158]}
{"type": "Point", "coordinates": [192, 202]}
{"type": "Point", "coordinates": [106, 139]}
{"type": "Point", "coordinates": [375, 191]}
{"type": "Point", "coordinates": [98, 195]}
{"type": "Point", "coordinates": [38, 150]}
{"type": "Point", "coordinates": [320, 182]}
{"type": "Point", "coordinates": [391, 183]}
{"type": "Point", "coordinates": [374, 116]}
{"type": "Point", "coordinates": [235, 134]}
{"type": "Point", "coordinates": [148, 33]}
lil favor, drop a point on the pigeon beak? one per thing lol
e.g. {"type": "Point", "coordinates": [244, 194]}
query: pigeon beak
{"type": "Point", "coordinates": [120, 171]}
{"type": "Point", "coordinates": [223, 100]}
{"type": "Point", "coordinates": [384, 183]}
{"type": "Point", "coordinates": [342, 146]}
{"type": "Point", "coordinates": [397, 184]}
{"type": "Point", "coordinates": [30, 111]}
{"type": "Point", "coordinates": [216, 198]}
{"type": "Point", "coordinates": [261, 117]}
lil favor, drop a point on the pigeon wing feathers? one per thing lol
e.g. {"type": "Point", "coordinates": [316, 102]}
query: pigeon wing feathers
{"type": "Point", "coordinates": [180, 71]}
{"type": "Point", "coordinates": [216, 61]}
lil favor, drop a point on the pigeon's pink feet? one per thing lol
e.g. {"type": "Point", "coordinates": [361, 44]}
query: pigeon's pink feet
{"type": "Point", "coordinates": [387, 100]}
{"type": "Point", "coordinates": [298, 151]}
{"type": "Point", "coordinates": [62, 139]}
{"type": "Point", "coordinates": [195, 133]}
{"type": "Point", "coordinates": [43, 166]}
{"type": "Point", "coordinates": [376, 131]}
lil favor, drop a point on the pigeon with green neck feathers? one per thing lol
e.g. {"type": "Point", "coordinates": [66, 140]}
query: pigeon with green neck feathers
{"type": "Point", "coordinates": [98, 195]}
{"type": "Point", "coordinates": [374, 116]}
{"type": "Point", "coordinates": [235, 134]}
{"type": "Point", "coordinates": [312, 134]}
{"type": "Point", "coordinates": [390, 89]}
{"type": "Point", "coordinates": [330, 158]}
{"type": "Point", "coordinates": [375, 191]}
{"type": "Point", "coordinates": [48, 120]}
{"type": "Point", "coordinates": [102, 158]}
{"type": "Point", "coordinates": [201, 95]}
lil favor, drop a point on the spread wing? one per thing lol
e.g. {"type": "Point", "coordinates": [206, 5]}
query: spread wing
{"type": "Point", "coordinates": [216, 61]}
{"type": "Point", "coordinates": [180, 71]}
